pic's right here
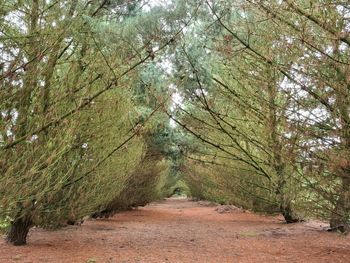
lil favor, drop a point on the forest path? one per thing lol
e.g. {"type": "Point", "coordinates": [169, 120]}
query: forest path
{"type": "Point", "coordinates": [178, 230]}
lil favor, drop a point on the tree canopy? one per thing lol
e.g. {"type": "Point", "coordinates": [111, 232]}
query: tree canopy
{"type": "Point", "coordinates": [112, 104]}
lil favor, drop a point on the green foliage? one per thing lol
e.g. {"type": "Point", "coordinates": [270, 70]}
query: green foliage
{"type": "Point", "coordinates": [72, 128]}
{"type": "Point", "coordinates": [4, 226]}
{"type": "Point", "coordinates": [141, 187]}
{"type": "Point", "coordinates": [86, 96]}
{"type": "Point", "coordinates": [264, 107]}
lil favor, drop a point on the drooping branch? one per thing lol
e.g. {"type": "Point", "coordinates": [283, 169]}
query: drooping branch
{"type": "Point", "coordinates": [87, 101]}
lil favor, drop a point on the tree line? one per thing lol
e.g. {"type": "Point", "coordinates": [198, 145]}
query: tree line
{"type": "Point", "coordinates": [90, 126]}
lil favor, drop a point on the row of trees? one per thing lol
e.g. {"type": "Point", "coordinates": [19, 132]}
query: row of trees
{"type": "Point", "coordinates": [269, 107]}
{"type": "Point", "coordinates": [78, 134]}
{"type": "Point", "coordinates": [86, 88]}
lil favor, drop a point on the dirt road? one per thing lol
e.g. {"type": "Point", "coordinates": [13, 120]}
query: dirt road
{"type": "Point", "coordinates": [178, 230]}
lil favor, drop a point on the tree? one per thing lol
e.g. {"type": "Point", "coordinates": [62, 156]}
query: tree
{"type": "Point", "coordinates": [68, 107]}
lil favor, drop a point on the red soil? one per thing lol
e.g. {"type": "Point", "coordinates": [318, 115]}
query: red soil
{"type": "Point", "coordinates": [182, 231]}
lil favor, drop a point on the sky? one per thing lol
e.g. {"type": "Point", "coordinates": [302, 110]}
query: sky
{"type": "Point", "coordinates": [153, 3]}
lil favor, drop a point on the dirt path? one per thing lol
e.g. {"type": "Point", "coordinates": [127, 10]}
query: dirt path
{"type": "Point", "coordinates": [182, 231]}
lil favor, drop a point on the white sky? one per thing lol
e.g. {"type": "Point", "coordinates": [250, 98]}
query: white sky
{"type": "Point", "coordinates": [154, 3]}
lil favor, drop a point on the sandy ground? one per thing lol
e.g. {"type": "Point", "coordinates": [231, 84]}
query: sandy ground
{"type": "Point", "coordinates": [178, 230]}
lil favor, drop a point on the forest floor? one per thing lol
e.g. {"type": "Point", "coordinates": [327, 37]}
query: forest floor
{"type": "Point", "coordinates": [179, 230]}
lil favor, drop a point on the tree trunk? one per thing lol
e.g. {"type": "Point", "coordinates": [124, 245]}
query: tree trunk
{"type": "Point", "coordinates": [288, 214]}
{"type": "Point", "coordinates": [340, 216]}
{"type": "Point", "coordinates": [19, 231]}
{"type": "Point", "coordinates": [276, 146]}
{"type": "Point", "coordinates": [285, 205]}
